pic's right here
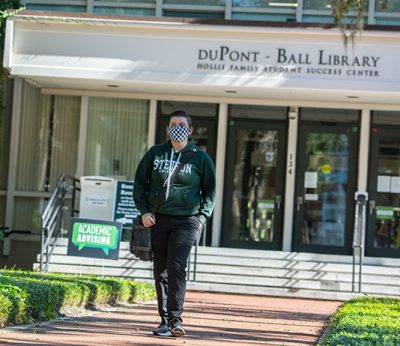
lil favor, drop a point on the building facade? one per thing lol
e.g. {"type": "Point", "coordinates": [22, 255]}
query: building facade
{"type": "Point", "coordinates": [296, 122]}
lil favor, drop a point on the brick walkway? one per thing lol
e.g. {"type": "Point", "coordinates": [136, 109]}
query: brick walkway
{"type": "Point", "coordinates": [209, 319]}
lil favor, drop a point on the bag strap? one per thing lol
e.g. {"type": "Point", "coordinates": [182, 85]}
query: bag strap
{"type": "Point", "coordinates": [161, 195]}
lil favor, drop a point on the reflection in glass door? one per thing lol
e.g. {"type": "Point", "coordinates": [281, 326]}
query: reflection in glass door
{"type": "Point", "coordinates": [254, 187]}
{"type": "Point", "coordinates": [383, 235]}
{"type": "Point", "coordinates": [325, 188]}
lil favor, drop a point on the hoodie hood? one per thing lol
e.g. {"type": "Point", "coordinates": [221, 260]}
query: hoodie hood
{"type": "Point", "coordinates": [189, 146]}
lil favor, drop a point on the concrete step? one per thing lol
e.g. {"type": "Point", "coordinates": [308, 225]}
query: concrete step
{"type": "Point", "coordinates": [251, 271]}
{"type": "Point", "coordinates": [248, 273]}
{"type": "Point", "coordinates": [132, 273]}
{"type": "Point", "coordinates": [273, 291]}
{"type": "Point", "coordinates": [265, 264]}
{"type": "Point", "coordinates": [277, 255]}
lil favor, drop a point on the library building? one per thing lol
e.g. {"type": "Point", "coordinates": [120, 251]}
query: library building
{"type": "Point", "coordinates": [298, 123]}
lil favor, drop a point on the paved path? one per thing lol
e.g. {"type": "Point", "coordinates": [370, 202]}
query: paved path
{"type": "Point", "coordinates": [210, 319]}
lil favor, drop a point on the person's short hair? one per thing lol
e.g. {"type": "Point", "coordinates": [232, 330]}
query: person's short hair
{"type": "Point", "coordinates": [181, 114]}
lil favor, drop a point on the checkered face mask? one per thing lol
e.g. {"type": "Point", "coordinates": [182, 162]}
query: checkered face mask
{"type": "Point", "coordinates": [178, 133]}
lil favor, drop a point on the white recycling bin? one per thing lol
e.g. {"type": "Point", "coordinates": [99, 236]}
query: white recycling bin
{"type": "Point", "coordinates": [97, 198]}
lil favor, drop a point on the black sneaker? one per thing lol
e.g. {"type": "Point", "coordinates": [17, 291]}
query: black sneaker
{"type": "Point", "coordinates": [162, 330]}
{"type": "Point", "coordinates": [177, 330]}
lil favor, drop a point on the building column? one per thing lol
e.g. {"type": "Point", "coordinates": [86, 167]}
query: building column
{"type": "Point", "coordinates": [83, 124]}
{"type": "Point", "coordinates": [90, 6]}
{"type": "Point", "coordinates": [13, 159]}
{"type": "Point", "coordinates": [364, 151]}
{"type": "Point", "coordinates": [290, 179]}
{"type": "Point", "coordinates": [151, 136]}
{"type": "Point", "coordinates": [220, 172]}
{"type": "Point", "coordinates": [371, 12]}
{"type": "Point", "coordinates": [228, 9]}
{"type": "Point", "coordinates": [299, 11]}
{"type": "Point", "coordinates": [159, 10]}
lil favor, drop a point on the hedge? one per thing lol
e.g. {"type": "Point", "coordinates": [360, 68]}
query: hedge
{"type": "Point", "coordinates": [365, 321]}
{"type": "Point", "coordinates": [29, 296]}
{"type": "Point", "coordinates": [16, 310]}
{"type": "Point", "coordinates": [5, 309]}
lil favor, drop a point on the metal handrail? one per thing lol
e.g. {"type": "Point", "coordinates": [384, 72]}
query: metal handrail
{"type": "Point", "coordinates": [358, 241]}
{"type": "Point", "coordinates": [53, 214]}
{"type": "Point", "coordinates": [201, 236]}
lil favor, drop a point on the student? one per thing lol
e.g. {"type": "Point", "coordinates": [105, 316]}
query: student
{"type": "Point", "coordinates": [188, 203]}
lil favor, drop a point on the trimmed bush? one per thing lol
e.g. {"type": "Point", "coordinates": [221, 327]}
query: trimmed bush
{"type": "Point", "coordinates": [97, 291]}
{"type": "Point", "coordinates": [32, 296]}
{"type": "Point", "coordinates": [102, 290]}
{"type": "Point", "coordinates": [366, 321]}
{"type": "Point", "coordinates": [5, 309]}
{"type": "Point", "coordinates": [17, 314]}
{"type": "Point", "coordinates": [142, 291]}
{"type": "Point", "coordinates": [44, 298]}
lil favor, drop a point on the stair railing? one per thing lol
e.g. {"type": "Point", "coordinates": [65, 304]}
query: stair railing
{"type": "Point", "coordinates": [53, 217]}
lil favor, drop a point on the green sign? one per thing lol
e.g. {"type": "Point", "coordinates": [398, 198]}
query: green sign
{"type": "Point", "coordinates": [266, 204]}
{"type": "Point", "coordinates": [94, 238]}
{"type": "Point", "coordinates": [104, 237]}
{"type": "Point", "coordinates": [125, 210]}
{"type": "Point", "coordinates": [384, 213]}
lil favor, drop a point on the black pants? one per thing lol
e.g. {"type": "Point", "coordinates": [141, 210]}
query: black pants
{"type": "Point", "coordinates": [172, 239]}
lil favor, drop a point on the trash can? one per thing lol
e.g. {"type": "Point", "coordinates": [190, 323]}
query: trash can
{"type": "Point", "coordinates": [97, 198]}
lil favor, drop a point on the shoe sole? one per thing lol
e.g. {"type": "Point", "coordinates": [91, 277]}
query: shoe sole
{"type": "Point", "coordinates": [163, 334]}
{"type": "Point", "coordinates": [177, 332]}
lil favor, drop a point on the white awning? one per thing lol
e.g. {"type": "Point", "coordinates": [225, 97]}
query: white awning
{"type": "Point", "coordinates": [204, 60]}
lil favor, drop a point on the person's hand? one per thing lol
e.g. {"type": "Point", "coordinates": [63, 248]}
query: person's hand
{"type": "Point", "coordinates": [148, 220]}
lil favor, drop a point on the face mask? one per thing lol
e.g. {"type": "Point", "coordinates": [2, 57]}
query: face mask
{"type": "Point", "coordinates": [178, 133]}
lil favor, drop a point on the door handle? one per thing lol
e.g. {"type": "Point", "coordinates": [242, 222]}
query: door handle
{"type": "Point", "coordinates": [299, 202]}
{"type": "Point", "coordinates": [372, 206]}
{"type": "Point", "coordinates": [278, 200]}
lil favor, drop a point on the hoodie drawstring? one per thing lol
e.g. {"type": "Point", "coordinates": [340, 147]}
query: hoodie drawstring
{"type": "Point", "coordinates": [170, 172]}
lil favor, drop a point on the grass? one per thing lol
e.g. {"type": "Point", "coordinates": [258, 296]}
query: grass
{"type": "Point", "coordinates": [365, 321]}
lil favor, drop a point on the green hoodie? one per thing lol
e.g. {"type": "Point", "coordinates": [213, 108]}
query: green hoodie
{"type": "Point", "coordinates": [191, 193]}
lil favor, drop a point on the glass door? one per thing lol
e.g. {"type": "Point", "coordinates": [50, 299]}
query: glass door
{"type": "Point", "coordinates": [253, 202]}
{"type": "Point", "coordinates": [383, 214]}
{"type": "Point", "coordinates": [325, 186]}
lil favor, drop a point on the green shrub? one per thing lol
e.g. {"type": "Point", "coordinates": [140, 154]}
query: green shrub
{"type": "Point", "coordinates": [366, 321]}
{"type": "Point", "coordinates": [102, 290]}
{"type": "Point", "coordinates": [44, 297]}
{"type": "Point", "coordinates": [5, 309]}
{"type": "Point", "coordinates": [78, 291]}
{"type": "Point", "coordinates": [18, 298]}
{"type": "Point", "coordinates": [142, 291]}
{"type": "Point", "coordinates": [114, 289]}
{"type": "Point", "coordinates": [39, 296]}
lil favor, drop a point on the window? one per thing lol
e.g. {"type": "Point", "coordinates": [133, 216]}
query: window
{"type": "Point", "coordinates": [117, 136]}
{"type": "Point", "coordinates": [48, 139]}
{"type": "Point", "coordinates": [48, 147]}
{"type": "Point", "coordinates": [126, 7]}
{"type": "Point", "coordinates": [280, 10]}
